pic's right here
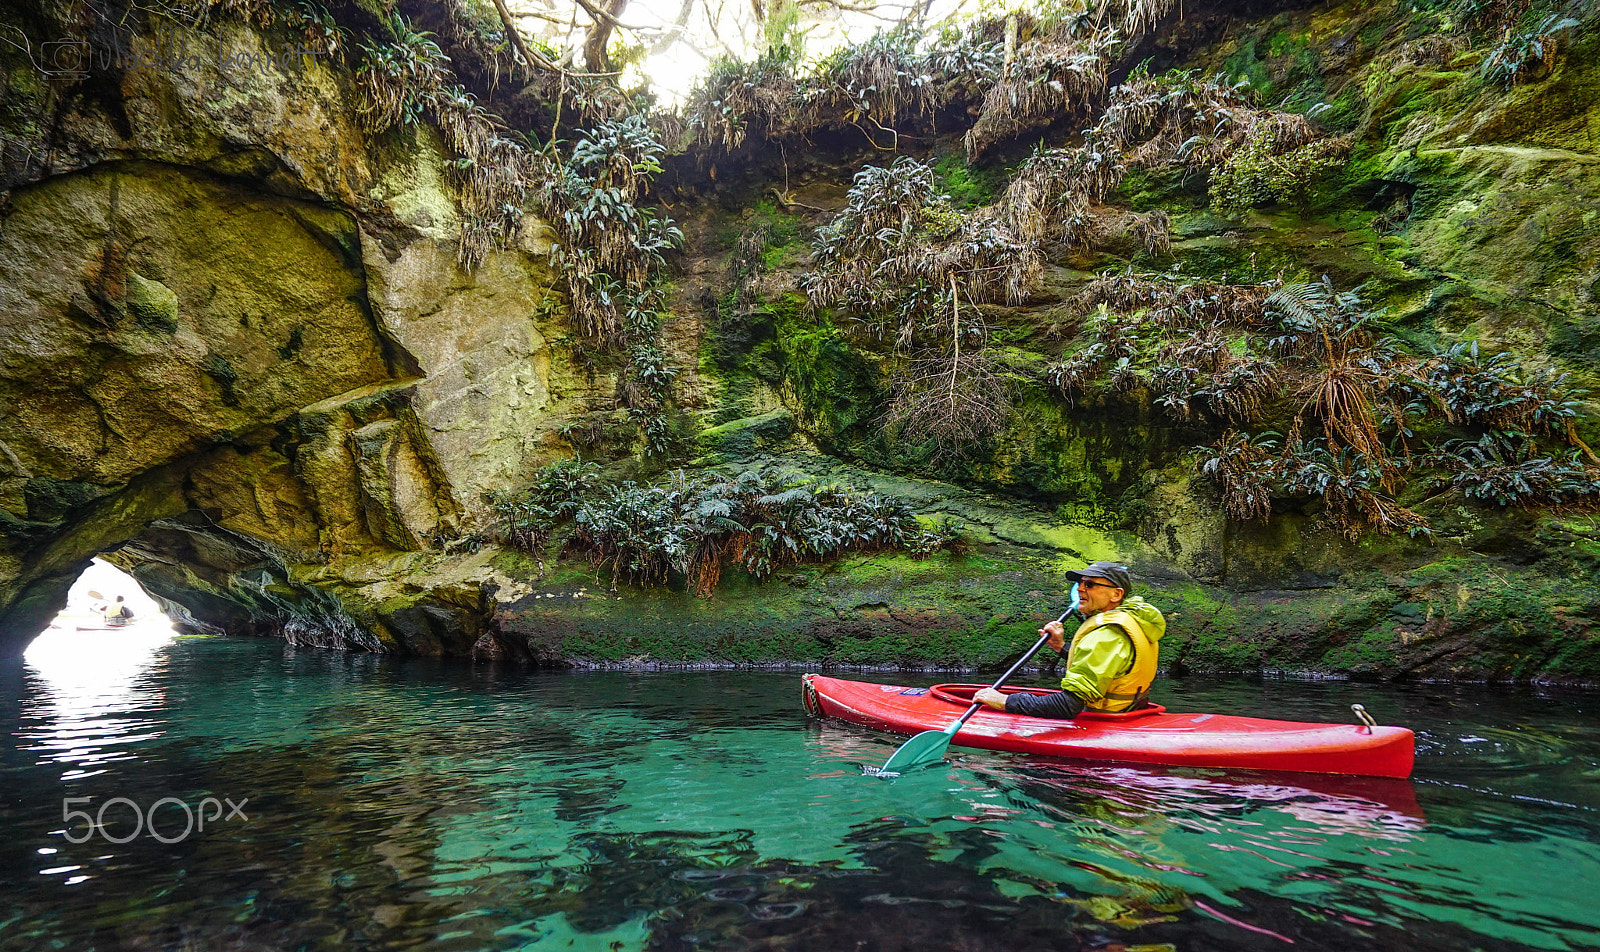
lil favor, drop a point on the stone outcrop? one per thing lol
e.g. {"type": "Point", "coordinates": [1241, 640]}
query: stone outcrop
{"type": "Point", "coordinates": [235, 342]}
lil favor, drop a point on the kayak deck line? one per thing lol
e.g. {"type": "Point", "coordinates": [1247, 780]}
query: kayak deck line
{"type": "Point", "coordinates": [1151, 735]}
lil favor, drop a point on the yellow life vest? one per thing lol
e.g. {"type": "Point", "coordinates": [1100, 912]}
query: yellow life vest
{"type": "Point", "coordinates": [1128, 690]}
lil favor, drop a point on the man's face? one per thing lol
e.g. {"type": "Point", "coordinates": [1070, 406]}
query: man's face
{"type": "Point", "coordinates": [1097, 595]}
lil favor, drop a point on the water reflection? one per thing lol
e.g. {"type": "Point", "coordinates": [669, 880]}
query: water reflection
{"type": "Point", "coordinates": [398, 804]}
{"type": "Point", "coordinates": [94, 673]}
{"type": "Point", "coordinates": [92, 682]}
{"type": "Point", "coordinates": [1372, 807]}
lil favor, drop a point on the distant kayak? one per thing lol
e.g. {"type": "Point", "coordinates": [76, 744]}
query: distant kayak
{"type": "Point", "coordinates": [1150, 735]}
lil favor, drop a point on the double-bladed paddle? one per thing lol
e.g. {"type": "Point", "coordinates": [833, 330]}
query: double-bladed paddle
{"type": "Point", "coordinates": [928, 747]}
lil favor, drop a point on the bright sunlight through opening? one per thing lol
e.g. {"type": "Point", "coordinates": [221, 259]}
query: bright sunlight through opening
{"type": "Point", "coordinates": [92, 668]}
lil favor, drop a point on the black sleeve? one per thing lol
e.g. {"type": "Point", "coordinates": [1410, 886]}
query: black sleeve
{"type": "Point", "coordinates": [1063, 705]}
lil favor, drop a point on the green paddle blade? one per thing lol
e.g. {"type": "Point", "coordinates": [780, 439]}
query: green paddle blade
{"type": "Point", "coordinates": [926, 748]}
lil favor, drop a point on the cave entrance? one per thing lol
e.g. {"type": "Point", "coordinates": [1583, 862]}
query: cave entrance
{"type": "Point", "coordinates": [79, 641]}
{"type": "Point", "coordinates": [88, 684]}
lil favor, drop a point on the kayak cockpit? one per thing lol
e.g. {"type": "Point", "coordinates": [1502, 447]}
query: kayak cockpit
{"type": "Point", "coordinates": [961, 695]}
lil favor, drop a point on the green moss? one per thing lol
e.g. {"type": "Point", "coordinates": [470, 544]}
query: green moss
{"type": "Point", "coordinates": [152, 304]}
{"type": "Point", "coordinates": [836, 388]}
{"type": "Point", "coordinates": [1090, 515]}
{"type": "Point", "coordinates": [518, 564]}
{"type": "Point", "coordinates": [743, 339]}
{"type": "Point", "coordinates": [1281, 67]}
{"type": "Point", "coordinates": [743, 438]}
{"type": "Point", "coordinates": [968, 186]}
{"type": "Point", "coordinates": [1370, 653]}
{"type": "Point", "coordinates": [783, 227]}
{"type": "Point", "coordinates": [879, 610]}
{"type": "Point", "coordinates": [1152, 189]}
{"type": "Point", "coordinates": [1577, 658]}
{"type": "Point", "coordinates": [1203, 631]}
{"type": "Point", "coordinates": [1344, 111]}
{"type": "Point", "coordinates": [1246, 64]}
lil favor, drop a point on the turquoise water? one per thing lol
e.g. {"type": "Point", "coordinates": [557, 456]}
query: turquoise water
{"type": "Point", "coordinates": [411, 804]}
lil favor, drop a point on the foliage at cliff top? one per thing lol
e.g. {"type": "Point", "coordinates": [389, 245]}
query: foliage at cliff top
{"type": "Point", "coordinates": [1024, 71]}
{"type": "Point", "coordinates": [690, 527]}
{"type": "Point", "coordinates": [911, 270]}
{"type": "Point", "coordinates": [1015, 71]}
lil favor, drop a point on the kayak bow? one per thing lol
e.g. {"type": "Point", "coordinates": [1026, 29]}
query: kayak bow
{"type": "Point", "coordinates": [1150, 735]}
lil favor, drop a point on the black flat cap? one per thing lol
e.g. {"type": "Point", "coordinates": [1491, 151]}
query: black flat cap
{"type": "Point", "coordinates": [1108, 571]}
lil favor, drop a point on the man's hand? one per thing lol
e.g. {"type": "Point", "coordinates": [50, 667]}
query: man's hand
{"type": "Point", "coordinates": [991, 698]}
{"type": "Point", "coordinates": [1058, 636]}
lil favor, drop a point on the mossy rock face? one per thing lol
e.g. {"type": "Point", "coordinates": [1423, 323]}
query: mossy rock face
{"type": "Point", "coordinates": [740, 440]}
{"type": "Point", "coordinates": [256, 314]}
{"type": "Point", "coordinates": [1443, 620]}
{"type": "Point", "coordinates": [102, 400]}
{"type": "Point", "coordinates": [883, 611]}
{"type": "Point", "coordinates": [838, 389]}
{"type": "Point", "coordinates": [1556, 110]}
{"type": "Point", "coordinates": [1519, 226]}
{"type": "Point", "coordinates": [152, 303]}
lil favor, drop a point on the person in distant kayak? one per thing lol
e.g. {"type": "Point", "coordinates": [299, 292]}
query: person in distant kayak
{"type": "Point", "coordinates": [1113, 655]}
{"type": "Point", "coordinates": [118, 614]}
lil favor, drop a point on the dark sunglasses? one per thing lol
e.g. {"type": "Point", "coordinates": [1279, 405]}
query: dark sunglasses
{"type": "Point", "coordinates": [1088, 584]}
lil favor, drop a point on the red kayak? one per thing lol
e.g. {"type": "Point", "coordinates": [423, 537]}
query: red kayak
{"type": "Point", "coordinates": [1150, 735]}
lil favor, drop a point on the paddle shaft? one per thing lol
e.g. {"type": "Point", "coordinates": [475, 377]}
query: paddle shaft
{"type": "Point", "coordinates": [929, 746]}
{"type": "Point", "coordinates": [1013, 670]}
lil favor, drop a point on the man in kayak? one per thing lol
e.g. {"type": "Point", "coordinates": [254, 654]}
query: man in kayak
{"type": "Point", "coordinates": [1113, 655]}
{"type": "Point", "coordinates": [119, 614]}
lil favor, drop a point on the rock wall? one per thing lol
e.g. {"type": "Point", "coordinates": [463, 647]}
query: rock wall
{"type": "Point", "coordinates": [238, 357]}
{"type": "Point", "coordinates": [235, 343]}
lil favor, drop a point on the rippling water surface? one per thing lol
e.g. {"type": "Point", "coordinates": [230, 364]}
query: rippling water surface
{"type": "Point", "coordinates": [388, 804]}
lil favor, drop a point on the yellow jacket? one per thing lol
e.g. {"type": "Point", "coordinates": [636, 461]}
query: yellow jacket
{"type": "Point", "coordinates": [1113, 657]}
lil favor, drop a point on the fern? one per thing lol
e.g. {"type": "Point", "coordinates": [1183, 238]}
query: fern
{"type": "Point", "coordinates": [1301, 305]}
